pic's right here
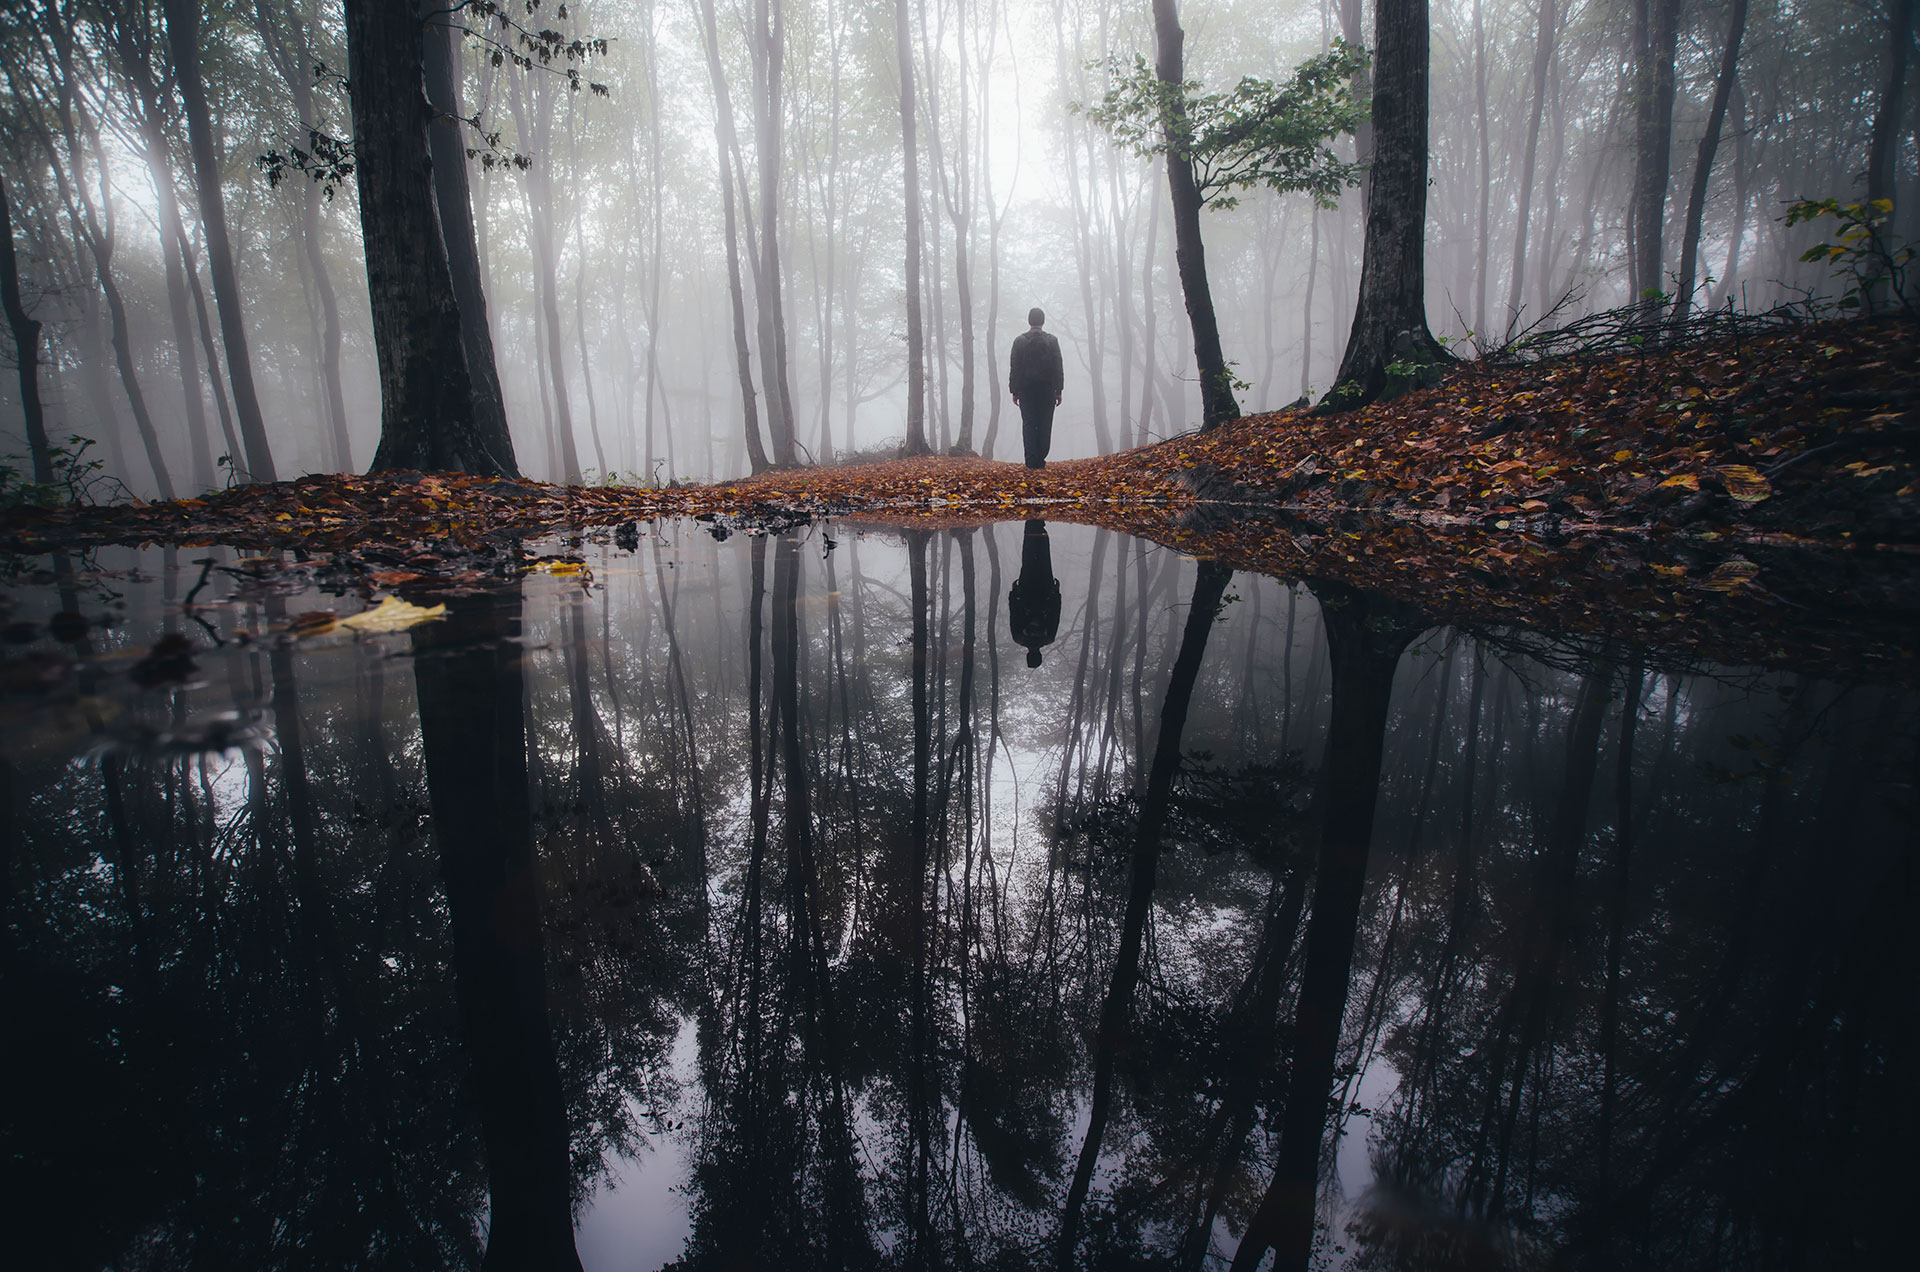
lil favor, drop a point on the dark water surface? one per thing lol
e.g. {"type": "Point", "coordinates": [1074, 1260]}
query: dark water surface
{"type": "Point", "coordinates": [761, 903]}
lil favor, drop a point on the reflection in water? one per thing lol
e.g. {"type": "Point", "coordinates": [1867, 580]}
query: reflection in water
{"type": "Point", "coordinates": [1265, 918]}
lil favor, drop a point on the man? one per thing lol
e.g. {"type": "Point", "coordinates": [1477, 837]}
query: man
{"type": "Point", "coordinates": [1035, 377]}
{"type": "Point", "coordinates": [1033, 607]}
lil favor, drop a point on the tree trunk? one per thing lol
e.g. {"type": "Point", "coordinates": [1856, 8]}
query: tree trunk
{"type": "Point", "coordinates": [1703, 166]}
{"type": "Point", "coordinates": [26, 342]}
{"type": "Point", "coordinates": [473, 737]}
{"type": "Point", "coordinates": [1217, 404]}
{"type": "Point", "coordinates": [1655, 29]}
{"type": "Point", "coordinates": [1542, 59]}
{"type": "Point", "coordinates": [724, 136]}
{"type": "Point", "coordinates": [1484, 262]}
{"type": "Point", "coordinates": [183, 39]}
{"type": "Point", "coordinates": [1390, 320]}
{"type": "Point", "coordinates": [154, 146]}
{"type": "Point", "coordinates": [916, 443]}
{"type": "Point", "coordinates": [453, 201]}
{"type": "Point", "coordinates": [769, 40]}
{"type": "Point", "coordinates": [426, 394]}
{"type": "Point", "coordinates": [1365, 639]}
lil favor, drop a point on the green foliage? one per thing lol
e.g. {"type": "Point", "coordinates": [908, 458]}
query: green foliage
{"type": "Point", "coordinates": [74, 477]}
{"type": "Point", "coordinates": [1862, 253]}
{"type": "Point", "coordinates": [1259, 133]}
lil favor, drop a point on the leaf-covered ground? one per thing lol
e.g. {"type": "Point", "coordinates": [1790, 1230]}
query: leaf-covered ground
{"type": "Point", "coordinates": [1750, 501]}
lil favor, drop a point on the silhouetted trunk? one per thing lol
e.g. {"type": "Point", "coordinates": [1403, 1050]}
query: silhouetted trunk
{"type": "Point", "coordinates": [1542, 59]}
{"type": "Point", "coordinates": [1365, 638]}
{"type": "Point", "coordinates": [1483, 258]}
{"type": "Point", "coordinates": [768, 43]}
{"type": "Point", "coordinates": [1703, 165]}
{"type": "Point", "coordinates": [916, 443]}
{"type": "Point", "coordinates": [728, 142]}
{"type": "Point", "coordinates": [1390, 319]}
{"type": "Point", "coordinates": [453, 202]}
{"type": "Point", "coordinates": [426, 395]}
{"type": "Point", "coordinates": [1655, 29]}
{"type": "Point", "coordinates": [1208, 588]}
{"type": "Point", "coordinates": [1883, 152]}
{"type": "Point", "coordinates": [26, 343]}
{"type": "Point", "coordinates": [183, 40]}
{"type": "Point", "coordinates": [469, 681]}
{"type": "Point", "coordinates": [1217, 404]}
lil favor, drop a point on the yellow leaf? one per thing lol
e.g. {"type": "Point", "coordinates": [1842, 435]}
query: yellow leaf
{"type": "Point", "coordinates": [1732, 574]}
{"type": "Point", "coordinates": [1622, 456]}
{"type": "Point", "coordinates": [392, 615]}
{"type": "Point", "coordinates": [1744, 483]}
{"type": "Point", "coordinates": [1685, 481]}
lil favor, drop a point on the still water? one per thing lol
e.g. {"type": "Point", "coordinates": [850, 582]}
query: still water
{"type": "Point", "coordinates": [1019, 896]}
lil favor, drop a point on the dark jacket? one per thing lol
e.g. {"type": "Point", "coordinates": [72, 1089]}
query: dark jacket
{"type": "Point", "coordinates": [1035, 369]}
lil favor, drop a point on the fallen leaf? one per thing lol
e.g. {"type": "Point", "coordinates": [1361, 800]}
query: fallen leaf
{"type": "Point", "coordinates": [392, 615]}
{"type": "Point", "coordinates": [1685, 481]}
{"type": "Point", "coordinates": [1744, 483]}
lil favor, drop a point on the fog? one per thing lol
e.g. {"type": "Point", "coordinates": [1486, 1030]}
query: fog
{"type": "Point", "coordinates": [601, 221]}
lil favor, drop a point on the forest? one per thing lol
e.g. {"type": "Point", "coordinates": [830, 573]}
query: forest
{"type": "Point", "coordinates": [655, 243]}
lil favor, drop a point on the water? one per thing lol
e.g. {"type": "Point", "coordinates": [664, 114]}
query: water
{"type": "Point", "coordinates": [765, 902]}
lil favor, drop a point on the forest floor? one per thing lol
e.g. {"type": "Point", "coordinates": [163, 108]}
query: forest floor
{"type": "Point", "coordinates": [1719, 488]}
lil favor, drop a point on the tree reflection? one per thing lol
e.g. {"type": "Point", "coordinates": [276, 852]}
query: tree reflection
{"type": "Point", "coordinates": [749, 851]}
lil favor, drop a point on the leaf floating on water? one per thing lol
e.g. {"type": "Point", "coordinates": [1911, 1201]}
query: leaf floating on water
{"type": "Point", "coordinates": [392, 615]}
{"type": "Point", "coordinates": [1745, 483]}
{"type": "Point", "coordinates": [1732, 574]}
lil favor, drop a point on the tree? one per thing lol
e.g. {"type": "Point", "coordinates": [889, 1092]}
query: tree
{"type": "Point", "coordinates": [1258, 134]}
{"type": "Point", "coordinates": [26, 341]}
{"type": "Point", "coordinates": [1390, 321]}
{"type": "Point", "coordinates": [426, 392]}
{"type": "Point", "coordinates": [1655, 31]}
{"type": "Point", "coordinates": [183, 41]}
{"type": "Point", "coordinates": [916, 443]}
{"type": "Point", "coordinates": [1703, 166]}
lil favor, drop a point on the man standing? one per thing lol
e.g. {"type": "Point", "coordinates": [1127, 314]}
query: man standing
{"type": "Point", "coordinates": [1036, 377]}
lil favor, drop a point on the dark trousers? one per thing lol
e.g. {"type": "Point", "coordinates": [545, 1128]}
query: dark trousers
{"type": "Point", "coordinates": [1036, 427]}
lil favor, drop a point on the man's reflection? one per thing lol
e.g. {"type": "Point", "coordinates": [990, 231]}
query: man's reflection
{"type": "Point", "coordinates": [1033, 607]}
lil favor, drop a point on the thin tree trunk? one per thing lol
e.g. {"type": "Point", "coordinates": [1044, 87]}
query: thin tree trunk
{"type": "Point", "coordinates": [1217, 404]}
{"type": "Point", "coordinates": [916, 443]}
{"type": "Point", "coordinates": [183, 39]}
{"type": "Point", "coordinates": [1703, 165]}
{"type": "Point", "coordinates": [1542, 59]}
{"type": "Point", "coordinates": [1484, 255]}
{"type": "Point", "coordinates": [724, 136]}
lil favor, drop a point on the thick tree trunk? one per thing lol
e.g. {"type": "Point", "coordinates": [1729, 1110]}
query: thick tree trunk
{"type": "Point", "coordinates": [1483, 265]}
{"type": "Point", "coordinates": [1366, 637]}
{"type": "Point", "coordinates": [26, 343]}
{"type": "Point", "coordinates": [183, 40]}
{"type": "Point", "coordinates": [1655, 28]}
{"type": "Point", "coordinates": [1390, 320]}
{"type": "Point", "coordinates": [474, 743]}
{"type": "Point", "coordinates": [426, 395]}
{"type": "Point", "coordinates": [453, 201]}
{"type": "Point", "coordinates": [916, 443]}
{"type": "Point", "coordinates": [1542, 59]}
{"type": "Point", "coordinates": [1217, 404]}
{"type": "Point", "coordinates": [1883, 149]}
{"type": "Point", "coordinates": [1703, 165]}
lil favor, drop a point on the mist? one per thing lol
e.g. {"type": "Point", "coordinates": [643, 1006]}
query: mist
{"type": "Point", "coordinates": [691, 220]}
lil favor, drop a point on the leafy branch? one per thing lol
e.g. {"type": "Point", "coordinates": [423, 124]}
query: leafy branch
{"type": "Point", "coordinates": [1259, 133]}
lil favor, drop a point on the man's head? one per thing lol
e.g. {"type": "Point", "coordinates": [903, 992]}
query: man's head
{"type": "Point", "coordinates": [1036, 317]}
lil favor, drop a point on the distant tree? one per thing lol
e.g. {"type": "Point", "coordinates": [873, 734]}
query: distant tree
{"type": "Point", "coordinates": [916, 443]}
{"type": "Point", "coordinates": [1390, 334]}
{"type": "Point", "coordinates": [1703, 165]}
{"type": "Point", "coordinates": [1258, 134]}
{"type": "Point", "coordinates": [183, 43]}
